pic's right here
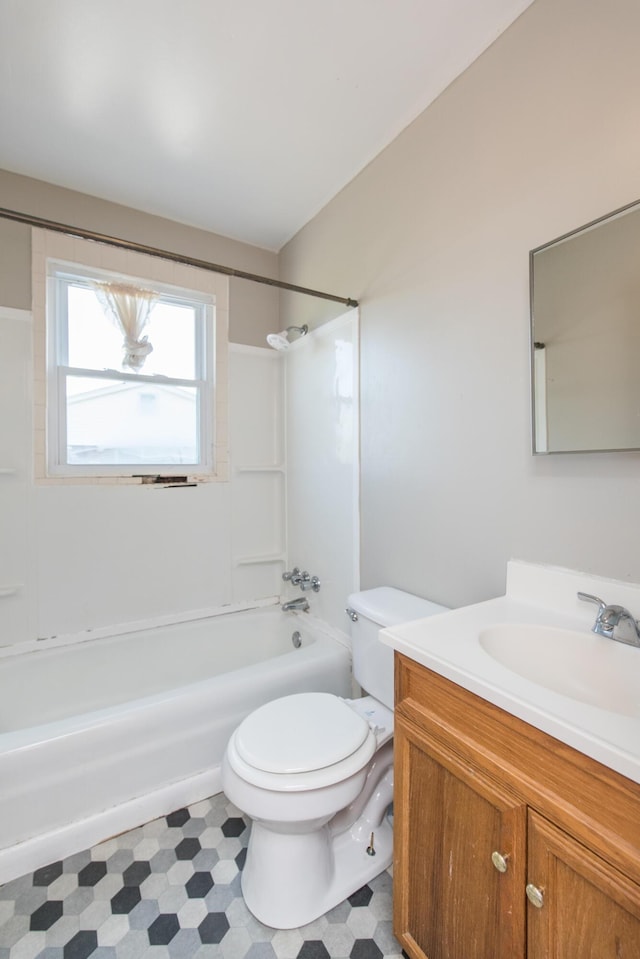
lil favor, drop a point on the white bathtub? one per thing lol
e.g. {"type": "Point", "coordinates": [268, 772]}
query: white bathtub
{"type": "Point", "coordinates": [99, 736]}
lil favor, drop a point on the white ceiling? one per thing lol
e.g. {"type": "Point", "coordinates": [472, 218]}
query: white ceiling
{"type": "Point", "coordinates": [244, 117]}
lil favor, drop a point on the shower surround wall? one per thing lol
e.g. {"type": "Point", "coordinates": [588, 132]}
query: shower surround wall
{"type": "Point", "coordinates": [322, 422]}
{"type": "Point", "coordinates": [258, 478]}
{"type": "Point", "coordinates": [92, 556]}
{"type": "Point", "coordinates": [88, 556]}
{"type": "Point", "coordinates": [17, 614]}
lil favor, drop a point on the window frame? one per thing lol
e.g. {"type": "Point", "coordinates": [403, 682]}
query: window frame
{"type": "Point", "coordinates": [60, 276]}
{"type": "Point", "coordinates": [105, 260]}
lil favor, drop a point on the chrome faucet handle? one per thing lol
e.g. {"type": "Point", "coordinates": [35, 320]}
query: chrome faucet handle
{"type": "Point", "coordinates": [290, 573]}
{"type": "Point", "coordinates": [587, 597]}
{"type": "Point", "coordinates": [313, 583]}
{"type": "Point", "coordinates": [601, 626]}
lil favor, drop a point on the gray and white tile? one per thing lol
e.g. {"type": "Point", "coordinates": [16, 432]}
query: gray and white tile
{"type": "Point", "coordinates": [171, 890]}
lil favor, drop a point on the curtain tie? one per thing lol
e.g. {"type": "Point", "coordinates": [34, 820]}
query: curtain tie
{"type": "Point", "coordinates": [135, 352]}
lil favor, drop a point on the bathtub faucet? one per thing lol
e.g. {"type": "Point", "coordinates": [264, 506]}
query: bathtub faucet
{"type": "Point", "coordinates": [299, 603]}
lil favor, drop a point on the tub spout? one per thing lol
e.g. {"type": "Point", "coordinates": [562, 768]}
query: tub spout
{"type": "Point", "coordinates": [299, 603]}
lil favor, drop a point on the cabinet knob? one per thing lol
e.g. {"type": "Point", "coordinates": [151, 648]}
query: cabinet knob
{"type": "Point", "coordinates": [535, 895]}
{"type": "Point", "coordinates": [499, 861]}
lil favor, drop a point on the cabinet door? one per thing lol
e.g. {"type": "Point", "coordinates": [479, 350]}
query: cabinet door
{"type": "Point", "coordinates": [451, 902]}
{"type": "Point", "coordinates": [589, 910]}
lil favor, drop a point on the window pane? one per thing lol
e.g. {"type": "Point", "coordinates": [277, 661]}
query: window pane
{"type": "Point", "coordinates": [113, 421]}
{"type": "Point", "coordinates": [172, 333]}
{"type": "Point", "coordinates": [96, 342]}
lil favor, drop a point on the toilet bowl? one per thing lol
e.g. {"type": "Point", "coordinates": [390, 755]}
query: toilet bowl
{"type": "Point", "coordinates": [314, 772]}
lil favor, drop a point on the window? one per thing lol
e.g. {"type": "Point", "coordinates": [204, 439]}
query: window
{"type": "Point", "coordinates": [130, 365]}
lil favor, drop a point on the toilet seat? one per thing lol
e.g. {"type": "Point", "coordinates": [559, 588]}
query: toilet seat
{"type": "Point", "coordinates": [300, 742]}
{"type": "Point", "coordinates": [300, 733]}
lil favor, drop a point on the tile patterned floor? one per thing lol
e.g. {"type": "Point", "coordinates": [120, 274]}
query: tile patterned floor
{"type": "Point", "coordinates": [171, 890]}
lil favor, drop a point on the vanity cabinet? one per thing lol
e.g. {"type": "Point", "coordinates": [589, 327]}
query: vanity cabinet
{"type": "Point", "coordinates": [508, 843]}
{"type": "Point", "coordinates": [589, 909]}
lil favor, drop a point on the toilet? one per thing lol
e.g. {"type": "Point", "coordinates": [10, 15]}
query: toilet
{"type": "Point", "coordinates": [314, 772]}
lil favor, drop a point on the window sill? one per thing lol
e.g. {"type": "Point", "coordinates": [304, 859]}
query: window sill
{"type": "Point", "coordinates": [150, 482]}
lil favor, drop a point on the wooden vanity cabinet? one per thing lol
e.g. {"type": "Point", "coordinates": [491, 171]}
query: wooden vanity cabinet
{"type": "Point", "coordinates": [449, 818]}
{"type": "Point", "coordinates": [590, 909]}
{"type": "Point", "coordinates": [508, 844]}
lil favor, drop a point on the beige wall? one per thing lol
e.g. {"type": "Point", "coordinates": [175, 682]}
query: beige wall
{"type": "Point", "coordinates": [254, 308]}
{"type": "Point", "coordinates": [539, 136]}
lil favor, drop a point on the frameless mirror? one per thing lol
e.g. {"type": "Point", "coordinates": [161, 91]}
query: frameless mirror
{"type": "Point", "coordinates": [585, 337]}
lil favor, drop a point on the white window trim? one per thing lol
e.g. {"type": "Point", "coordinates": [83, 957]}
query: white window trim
{"type": "Point", "coordinates": [59, 272]}
{"type": "Point", "coordinates": [76, 254]}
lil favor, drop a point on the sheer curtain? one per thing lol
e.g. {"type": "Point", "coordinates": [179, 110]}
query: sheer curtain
{"type": "Point", "coordinates": [129, 307]}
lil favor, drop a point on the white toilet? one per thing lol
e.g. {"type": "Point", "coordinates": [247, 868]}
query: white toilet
{"type": "Point", "coordinates": [315, 774]}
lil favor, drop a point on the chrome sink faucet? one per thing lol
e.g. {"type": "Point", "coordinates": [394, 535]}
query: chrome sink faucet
{"type": "Point", "coordinates": [614, 622]}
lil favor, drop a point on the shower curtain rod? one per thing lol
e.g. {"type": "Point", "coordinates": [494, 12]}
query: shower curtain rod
{"type": "Point", "coordinates": [83, 234]}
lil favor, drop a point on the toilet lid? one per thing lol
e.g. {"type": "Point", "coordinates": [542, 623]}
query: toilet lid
{"type": "Point", "coordinates": [300, 733]}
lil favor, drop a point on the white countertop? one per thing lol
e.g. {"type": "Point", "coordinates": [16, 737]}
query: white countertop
{"type": "Point", "coordinates": [448, 644]}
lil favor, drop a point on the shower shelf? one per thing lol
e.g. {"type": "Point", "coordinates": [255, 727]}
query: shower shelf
{"type": "Point", "coordinates": [9, 590]}
{"type": "Point", "coordinates": [257, 560]}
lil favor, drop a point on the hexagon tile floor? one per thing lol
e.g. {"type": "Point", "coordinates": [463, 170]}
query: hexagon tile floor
{"type": "Point", "coordinates": [171, 889]}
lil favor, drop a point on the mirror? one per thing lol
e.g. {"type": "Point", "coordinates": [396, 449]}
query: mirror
{"type": "Point", "coordinates": [585, 337]}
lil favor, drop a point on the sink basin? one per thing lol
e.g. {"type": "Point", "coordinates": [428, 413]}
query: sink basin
{"type": "Point", "coordinates": [581, 666]}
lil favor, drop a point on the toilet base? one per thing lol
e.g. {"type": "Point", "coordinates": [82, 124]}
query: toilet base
{"type": "Point", "coordinates": [290, 880]}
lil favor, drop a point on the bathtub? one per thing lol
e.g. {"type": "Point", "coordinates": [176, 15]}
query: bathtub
{"type": "Point", "coordinates": [99, 736]}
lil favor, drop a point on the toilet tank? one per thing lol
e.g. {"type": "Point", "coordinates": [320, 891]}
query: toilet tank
{"type": "Point", "coordinates": [375, 609]}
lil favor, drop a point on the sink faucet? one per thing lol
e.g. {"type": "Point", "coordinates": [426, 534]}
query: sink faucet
{"type": "Point", "coordinates": [300, 603]}
{"type": "Point", "coordinates": [609, 618]}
